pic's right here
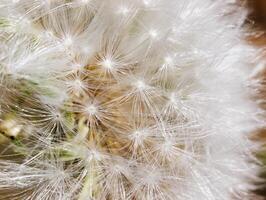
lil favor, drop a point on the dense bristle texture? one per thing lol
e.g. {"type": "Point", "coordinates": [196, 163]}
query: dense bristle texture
{"type": "Point", "coordinates": [125, 100]}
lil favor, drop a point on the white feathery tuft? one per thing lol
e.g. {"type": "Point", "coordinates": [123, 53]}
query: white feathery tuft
{"type": "Point", "coordinates": [125, 99]}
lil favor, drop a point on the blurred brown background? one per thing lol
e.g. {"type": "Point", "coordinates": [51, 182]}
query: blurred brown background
{"type": "Point", "coordinates": [259, 11]}
{"type": "Point", "coordinates": [257, 20]}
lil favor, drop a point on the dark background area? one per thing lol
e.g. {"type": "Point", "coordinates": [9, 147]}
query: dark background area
{"type": "Point", "coordinates": [257, 21]}
{"type": "Point", "coordinates": [258, 12]}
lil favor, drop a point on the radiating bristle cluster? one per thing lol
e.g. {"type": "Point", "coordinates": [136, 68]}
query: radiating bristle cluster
{"type": "Point", "coordinates": [124, 100]}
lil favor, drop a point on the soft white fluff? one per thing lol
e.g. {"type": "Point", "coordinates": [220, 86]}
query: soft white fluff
{"type": "Point", "coordinates": [125, 99]}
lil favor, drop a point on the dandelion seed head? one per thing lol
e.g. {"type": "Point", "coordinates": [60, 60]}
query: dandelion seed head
{"type": "Point", "coordinates": [68, 41]}
{"type": "Point", "coordinates": [48, 33]}
{"type": "Point", "coordinates": [125, 99]}
{"type": "Point", "coordinates": [15, 1]}
{"type": "Point", "coordinates": [138, 136]}
{"type": "Point", "coordinates": [140, 85]}
{"type": "Point", "coordinates": [172, 98]}
{"type": "Point", "coordinates": [94, 155]}
{"type": "Point", "coordinates": [91, 109]}
{"type": "Point", "coordinates": [153, 33]}
{"type": "Point", "coordinates": [123, 10]}
{"type": "Point", "coordinates": [108, 63]}
{"type": "Point", "coordinates": [167, 145]}
{"type": "Point", "coordinates": [147, 2]}
{"type": "Point", "coordinates": [168, 60]}
{"type": "Point", "coordinates": [77, 85]}
{"type": "Point", "coordinates": [85, 1]}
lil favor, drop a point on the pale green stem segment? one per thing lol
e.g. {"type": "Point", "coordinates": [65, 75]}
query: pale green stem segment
{"type": "Point", "coordinates": [89, 190]}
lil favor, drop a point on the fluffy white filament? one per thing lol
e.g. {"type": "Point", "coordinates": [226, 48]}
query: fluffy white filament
{"type": "Point", "coordinates": [125, 100]}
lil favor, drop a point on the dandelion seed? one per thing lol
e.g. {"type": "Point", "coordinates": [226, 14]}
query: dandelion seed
{"type": "Point", "coordinates": [147, 2]}
{"type": "Point", "coordinates": [48, 34]}
{"type": "Point", "coordinates": [77, 84]}
{"type": "Point", "coordinates": [68, 41]}
{"type": "Point", "coordinates": [15, 1]}
{"type": "Point", "coordinates": [140, 85]}
{"type": "Point", "coordinates": [91, 109]}
{"type": "Point", "coordinates": [153, 33]}
{"type": "Point", "coordinates": [168, 60]}
{"type": "Point", "coordinates": [123, 10]}
{"type": "Point", "coordinates": [138, 137]}
{"type": "Point", "coordinates": [172, 98]}
{"type": "Point", "coordinates": [108, 64]}
{"type": "Point", "coordinates": [85, 1]}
